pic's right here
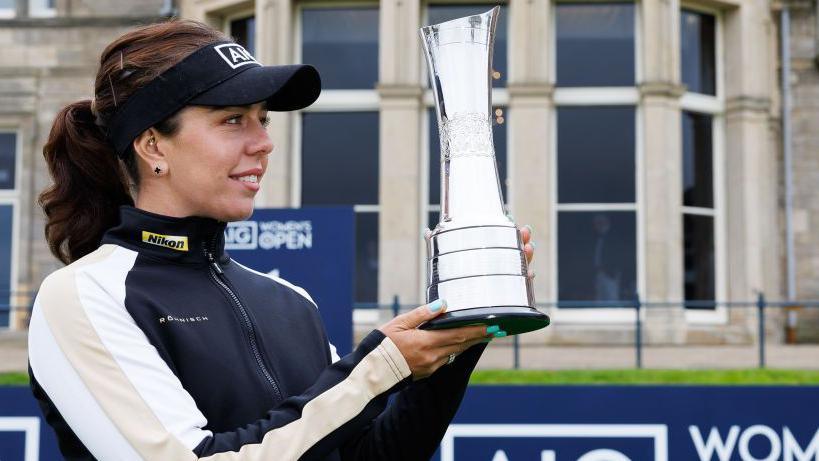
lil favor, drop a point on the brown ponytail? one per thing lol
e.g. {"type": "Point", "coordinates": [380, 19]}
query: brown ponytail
{"type": "Point", "coordinates": [90, 182]}
{"type": "Point", "coordinates": [89, 185]}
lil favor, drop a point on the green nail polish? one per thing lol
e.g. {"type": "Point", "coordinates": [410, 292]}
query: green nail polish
{"type": "Point", "coordinates": [493, 329]}
{"type": "Point", "coordinates": [500, 334]}
{"type": "Point", "coordinates": [530, 229]}
{"type": "Point", "coordinates": [436, 305]}
{"type": "Point", "coordinates": [533, 245]}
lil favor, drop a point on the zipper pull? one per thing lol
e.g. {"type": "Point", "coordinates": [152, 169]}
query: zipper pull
{"type": "Point", "coordinates": [214, 264]}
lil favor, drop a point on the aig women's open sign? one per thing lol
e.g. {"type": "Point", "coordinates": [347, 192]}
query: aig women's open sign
{"type": "Point", "coordinates": [635, 423]}
{"type": "Point", "coordinates": [309, 247]}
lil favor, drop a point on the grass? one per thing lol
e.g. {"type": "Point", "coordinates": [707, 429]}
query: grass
{"type": "Point", "coordinates": [637, 377]}
{"type": "Point", "coordinates": [605, 377]}
{"type": "Point", "coordinates": [13, 379]}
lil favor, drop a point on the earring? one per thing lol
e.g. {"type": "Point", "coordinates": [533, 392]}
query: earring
{"type": "Point", "coordinates": [151, 141]}
{"type": "Point", "coordinates": [157, 170]}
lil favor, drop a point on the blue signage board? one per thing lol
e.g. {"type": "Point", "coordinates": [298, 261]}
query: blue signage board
{"type": "Point", "coordinates": [568, 423]}
{"type": "Point", "coordinates": [634, 423]}
{"type": "Point", "coordinates": [313, 248]}
{"type": "Point", "coordinates": [24, 435]}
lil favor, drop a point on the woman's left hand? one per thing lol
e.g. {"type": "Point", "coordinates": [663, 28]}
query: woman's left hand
{"type": "Point", "coordinates": [528, 246]}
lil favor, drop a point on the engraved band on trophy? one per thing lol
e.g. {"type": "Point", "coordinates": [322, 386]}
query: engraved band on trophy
{"type": "Point", "coordinates": [475, 258]}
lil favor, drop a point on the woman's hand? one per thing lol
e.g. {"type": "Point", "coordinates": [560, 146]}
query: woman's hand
{"type": "Point", "coordinates": [528, 246]}
{"type": "Point", "coordinates": [427, 350]}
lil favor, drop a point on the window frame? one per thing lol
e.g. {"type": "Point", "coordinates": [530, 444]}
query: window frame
{"type": "Point", "coordinates": [330, 100]}
{"type": "Point", "coordinates": [597, 96]}
{"type": "Point", "coordinates": [713, 106]}
{"type": "Point", "coordinates": [12, 197]}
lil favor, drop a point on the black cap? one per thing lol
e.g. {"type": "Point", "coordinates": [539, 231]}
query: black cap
{"type": "Point", "coordinates": [219, 74]}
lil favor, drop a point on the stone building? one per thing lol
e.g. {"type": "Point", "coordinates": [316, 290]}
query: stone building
{"type": "Point", "coordinates": [640, 140]}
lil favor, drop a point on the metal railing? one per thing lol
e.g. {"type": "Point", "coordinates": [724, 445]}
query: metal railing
{"type": "Point", "coordinates": [21, 303]}
{"type": "Point", "coordinates": [761, 305]}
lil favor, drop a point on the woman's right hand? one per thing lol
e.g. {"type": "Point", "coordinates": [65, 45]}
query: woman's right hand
{"type": "Point", "coordinates": [427, 350]}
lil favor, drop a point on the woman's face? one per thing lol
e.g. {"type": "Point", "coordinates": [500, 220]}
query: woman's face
{"type": "Point", "coordinates": [216, 160]}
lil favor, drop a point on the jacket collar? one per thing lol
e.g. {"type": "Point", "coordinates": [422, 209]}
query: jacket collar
{"type": "Point", "coordinates": [185, 240]}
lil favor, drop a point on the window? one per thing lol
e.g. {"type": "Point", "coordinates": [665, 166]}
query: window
{"type": "Point", "coordinates": [243, 30]}
{"type": "Point", "coordinates": [698, 52]}
{"type": "Point", "coordinates": [9, 188]}
{"type": "Point", "coordinates": [339, 134]}
{"type": "Point", "coordinates": [342, 43]}
{"type": "Point", "coordinates": [596, 157]}
{"type": "Point", "coordinates": [596, 219]}
{"type": "Point", "coordinates": [595, 44]}
{"type": "Point", "coordinates": [702, 112]}
{"type": "Point", "coordinates": [340, 167]}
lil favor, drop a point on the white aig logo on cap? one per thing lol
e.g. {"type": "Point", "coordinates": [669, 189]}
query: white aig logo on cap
{"type": "Point", "coordinates": [235, 55]}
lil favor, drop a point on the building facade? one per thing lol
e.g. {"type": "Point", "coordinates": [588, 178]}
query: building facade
{"type": "Point", "coordinates": [640, 140]}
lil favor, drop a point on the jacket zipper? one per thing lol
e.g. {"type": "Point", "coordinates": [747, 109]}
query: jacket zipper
{"type": "Point", "coordinates": [217, 275]}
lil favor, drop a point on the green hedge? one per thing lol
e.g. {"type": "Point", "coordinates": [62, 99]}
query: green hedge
{"type": "Point", "coordinates": [624, 377]}
{"type": "Point", "coordinates": [636, 377]}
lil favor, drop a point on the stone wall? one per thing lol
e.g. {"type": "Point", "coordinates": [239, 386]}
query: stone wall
{"type": "Point", "coordinates": [805, 145]}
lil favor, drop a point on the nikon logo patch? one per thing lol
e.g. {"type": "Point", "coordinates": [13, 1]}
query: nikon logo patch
{"type": "Point", "coordinates": [235, 55]}
{"type": "Point", "coordinates": [174, 242]}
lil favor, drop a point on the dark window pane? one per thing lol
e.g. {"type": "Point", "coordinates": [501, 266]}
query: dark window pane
{"type": "Point", "coordinates": [698, 182]}
{"type": "Point", "coordinates": [339, 155]}
{"type": "Point", "coordinates": [8, 154]}
{"type": "Point", "coordinates": [441, 13]}
{"type": "Point", "coordinates": [698, 233]}
{"type": "Point", "coordinates": [597, 256]}
{"type": "Point", "coordinates": [499, 122]}
{"type": "Point", "coordinates": [244, 32]}
{"type": "Point", "coordinates": [434, 217]}
{"type": "Point", "coordinates": [595, 154]}
{"type": "Point", "coordinates": [595, 44]}
{"type": "Point", "coordinates": [366, 257]}
{"type": "Point", "coordinates": [698, 52]}
{"type": "Point", "coordinates": [342, 43]}
{"type": "Point", "coordinates": [5, 263]}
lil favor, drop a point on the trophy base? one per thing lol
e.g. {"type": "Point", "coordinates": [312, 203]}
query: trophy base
{"type": "Point", "coordinates": [514, 320]}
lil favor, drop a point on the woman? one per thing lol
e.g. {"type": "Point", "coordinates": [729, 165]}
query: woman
{"type": "Point", "coordinates": [152, 343]}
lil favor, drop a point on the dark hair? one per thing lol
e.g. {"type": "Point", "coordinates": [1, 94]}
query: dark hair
{"type": "Point", "coordinates": [90, 182]}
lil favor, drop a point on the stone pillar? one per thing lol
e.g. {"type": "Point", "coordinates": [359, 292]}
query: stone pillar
{"type": "Point", "coordinates": [661, 172]}
{"type": "Point", "coordinates": [400, 154]}
{"type": "Point", "coordinates": [530, 133]}
{"type": "Point", "coordinates": [749, 165]}
{"type": "Point", "coordinates": [274, 45]}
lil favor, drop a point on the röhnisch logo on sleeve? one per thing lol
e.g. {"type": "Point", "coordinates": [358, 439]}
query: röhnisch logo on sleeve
{"type": "Point", "coordinates": [174, 242]}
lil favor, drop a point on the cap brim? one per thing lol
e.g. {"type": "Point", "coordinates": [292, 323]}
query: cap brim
{"type": "Point", "coordinates": [284, 88]}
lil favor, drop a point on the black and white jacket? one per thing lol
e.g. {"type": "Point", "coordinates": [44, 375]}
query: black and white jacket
{"type": "Point", "coordinates": [158, 346]}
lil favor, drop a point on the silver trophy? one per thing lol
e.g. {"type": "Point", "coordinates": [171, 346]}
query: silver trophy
{"type": "Point", "coordinates": [475, 258]}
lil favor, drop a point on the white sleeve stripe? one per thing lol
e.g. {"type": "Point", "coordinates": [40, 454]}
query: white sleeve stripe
{"type": "Point", "coordinates": [70, 396]}
{"type": "Point", "coordinates": [62, 307]}
{"type": "Point", "coordinates": [132, 350]}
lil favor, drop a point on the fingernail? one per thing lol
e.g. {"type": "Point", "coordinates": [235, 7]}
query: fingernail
{"type": "Point", "coordinates": [493, 329]}
{"type": "Point", "coordinates": [533, 245]}
{"type": "Point", "coordinates": [530, 229]}
{"type": "Point", "coordinates": [436, 305]}
{"type": "Point", "coordinates": [500, 334]}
